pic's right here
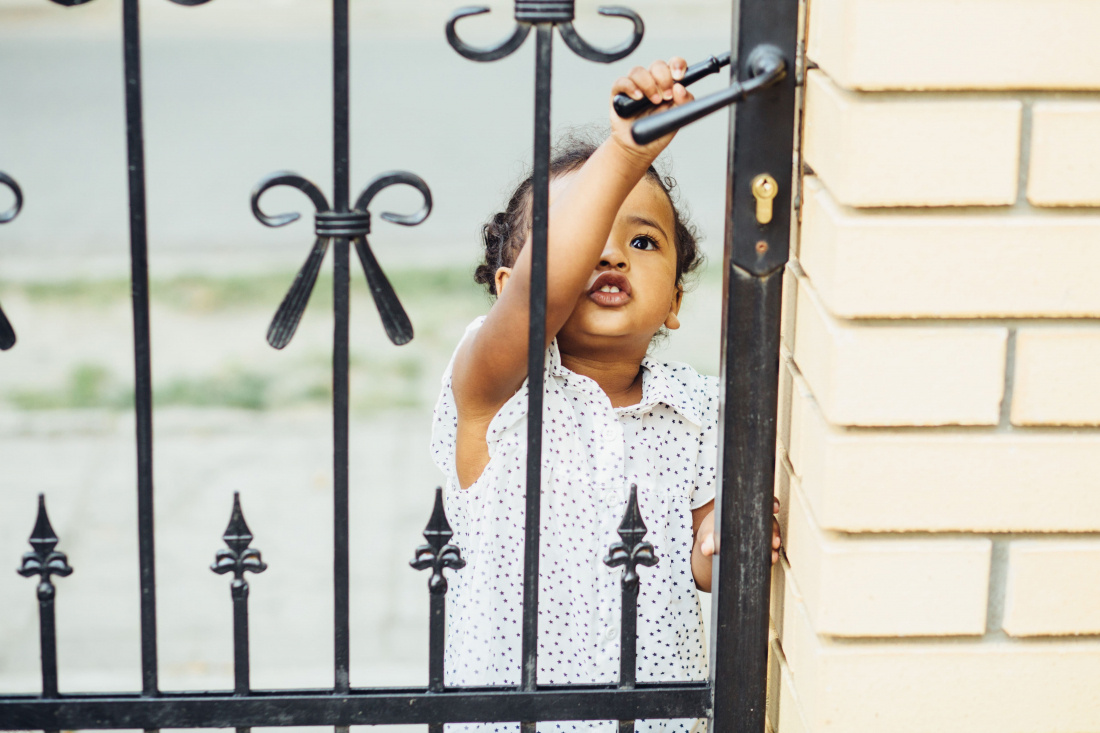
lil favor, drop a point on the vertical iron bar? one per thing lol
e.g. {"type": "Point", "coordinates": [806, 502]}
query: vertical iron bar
{"type": "Point", "coordinates": [628, 635]}
{"type": "Point", "coordinates": [536, 348]}
{"type": "Point", "coordinates": [628, 646]}
{"type": "Point", "coordinates": [47, 638]}
{"type": "Point", "coordinates": [241, 682]}
{"type": "Point", "coordinates": [340, 145]}
{"type": "Point", "coordinates": [761, 141]}
{"type": "Point", "coordinates": [739, 612]}
{"type": "Point", "coordinates": [239, 591]}
{"type": "Point", "coordinates": [143, 390]}
{"type": "Point", "coordinates": [436, 631]}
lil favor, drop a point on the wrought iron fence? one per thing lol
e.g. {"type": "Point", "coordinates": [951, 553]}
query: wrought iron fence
{"type": "Point", "coordinates": [758, 226]}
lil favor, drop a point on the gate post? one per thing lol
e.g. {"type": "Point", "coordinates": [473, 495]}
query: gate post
{"type": "Point", "coordinates": [756, 250]}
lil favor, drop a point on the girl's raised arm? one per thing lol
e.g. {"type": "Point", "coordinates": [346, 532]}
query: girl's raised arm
{"type": "Point", "coordinates": [491, 366]}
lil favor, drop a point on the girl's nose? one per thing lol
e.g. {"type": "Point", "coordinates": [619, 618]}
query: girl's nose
{"type": "Point", "coordinates": [614, 255]}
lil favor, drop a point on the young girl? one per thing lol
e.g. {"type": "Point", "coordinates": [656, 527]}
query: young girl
{"type": "Point", "coordinates": [613, 416]}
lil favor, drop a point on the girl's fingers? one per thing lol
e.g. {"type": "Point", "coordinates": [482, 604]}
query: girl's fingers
{"type": "Point", "coordinates": [777, 541]}
{"type": "Point", "coordinates": [663, 76]}
{"type": "Point", "coordinates": [625, 85]}
{"type": "Point", "coordinates": [775, 557]}
{"type": "Point", "coordinates": [678, 67]}
{"type": "Point", "coordinates": [680, 95]}
{"type": "Point", "coordinates": [775, 506]}
{"type": "Point", "coordinates": [646, 83]}
{"type": "Point", "coordinates": [708, 545]}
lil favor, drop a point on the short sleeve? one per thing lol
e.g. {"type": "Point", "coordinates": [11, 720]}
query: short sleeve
{"type": "Point", "coordinates": [705, 397]}
{"type": "Point", "coordinates": [445, 417]}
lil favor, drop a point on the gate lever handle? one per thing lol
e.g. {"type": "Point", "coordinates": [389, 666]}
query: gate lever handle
{"type": "Point", "coordinates": [766, 68]}
{"type": "Point", "coordinates": [626, 107]}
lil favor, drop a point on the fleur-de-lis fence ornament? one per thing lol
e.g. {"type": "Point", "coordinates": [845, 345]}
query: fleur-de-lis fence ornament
{"type": "Point", "coordinates": [7, 333]}
{"type": "Point", "coordinates": [556, 12]}
{"type": "Point", "coordinates": [632, 550]}
{"type": "Point", "coordinates": [239, 558]}
{"type": "Point", "coordinates": [45, 561]}
{"type": "Point", "coordinates": [438, 553]}
{"type": "Point", "coordinates": [354, 225]}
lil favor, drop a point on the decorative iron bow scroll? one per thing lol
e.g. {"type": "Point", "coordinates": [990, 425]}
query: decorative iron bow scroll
{"type": "Point", "coordinates": [7, 333]}
{"type": "Point", "coordinates": [531, 12]}
{"type": "Point", "coordinates": [73, 3]}
{"type": "Point", "coordinates": [354, 225]}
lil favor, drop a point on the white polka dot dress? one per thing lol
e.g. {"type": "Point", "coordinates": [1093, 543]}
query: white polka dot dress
{"type": "Point", "coordinates": [592, 452]}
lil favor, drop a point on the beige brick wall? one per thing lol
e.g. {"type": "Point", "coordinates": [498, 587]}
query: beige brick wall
{"type": "Point", "coordinates": [939, 429]}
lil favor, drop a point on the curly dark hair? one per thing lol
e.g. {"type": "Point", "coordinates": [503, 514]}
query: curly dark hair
{"type": "Point", "coordinates": [504, 234]}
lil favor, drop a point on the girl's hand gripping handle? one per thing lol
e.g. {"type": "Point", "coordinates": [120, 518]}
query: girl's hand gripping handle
{"type": "Point", "coordinates": [627, 107]}
{"type": "Point", "coordinates": [659, 86]}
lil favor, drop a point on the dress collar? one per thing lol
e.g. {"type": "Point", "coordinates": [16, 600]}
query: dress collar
{"type": "Point", "coordinates": [658, 385]}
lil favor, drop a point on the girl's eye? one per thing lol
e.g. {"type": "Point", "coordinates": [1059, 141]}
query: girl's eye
{"type": "Point", "coordinates": [643, 242]}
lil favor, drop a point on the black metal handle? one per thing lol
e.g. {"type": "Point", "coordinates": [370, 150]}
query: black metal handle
{"type": "Point", "coordinates": [766, 68]}
{"type": "Point", "coordinates": [626, 107]}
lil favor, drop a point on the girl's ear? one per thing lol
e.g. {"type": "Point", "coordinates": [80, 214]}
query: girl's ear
{"type": "Point", "coordinates": [501, 279]}
{"type": "Point", "coordinates": [672, 322]}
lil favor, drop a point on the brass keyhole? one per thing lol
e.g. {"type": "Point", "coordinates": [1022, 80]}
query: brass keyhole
{"type": "Point", "coordinates": [764, 189]}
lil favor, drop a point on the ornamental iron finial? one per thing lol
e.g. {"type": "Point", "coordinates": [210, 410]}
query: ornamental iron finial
{"type": "Point", "coordinates": [239, 558]}
{"type": "Point", "coordinates": [632, 550]}
{"type": "Point", "coordinates": [44, 561]}
{"type": "Point", "coordinates": [438, 553]}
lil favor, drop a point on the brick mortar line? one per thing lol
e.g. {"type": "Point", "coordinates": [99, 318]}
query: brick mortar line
{"type": "Point", "coordinates": [921, 96]}
{"type": "Point", "coordinates": [998, 580]}
{"type": "Point", "coordinates": [1005, 422]}
{"type": "Point", "coordinates": [1000, 638]}
{"type": "Point", "coordinates": [1024, 162]}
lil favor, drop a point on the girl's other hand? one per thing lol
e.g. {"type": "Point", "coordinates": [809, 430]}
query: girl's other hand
{"type": "Point", "coordinates": [709, 542]}
{"type": "Point", "coordinates": [660, 83]}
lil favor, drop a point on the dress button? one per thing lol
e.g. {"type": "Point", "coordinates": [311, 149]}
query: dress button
{"type": "Point", "coordinates": [610, 433]}
{"type": "Point", "coordinates": [611, 633]}
{"type": "Point", "coordinates": [611, 497]}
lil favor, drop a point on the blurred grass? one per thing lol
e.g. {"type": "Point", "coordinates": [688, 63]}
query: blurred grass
{"type": "Point", "coordinates": [440, 301]}
{"type": "Point", "coordinates": [202, 293]}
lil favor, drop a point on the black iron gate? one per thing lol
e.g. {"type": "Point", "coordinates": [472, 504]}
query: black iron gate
{"type": "Point", "coordinates": [757, 234]}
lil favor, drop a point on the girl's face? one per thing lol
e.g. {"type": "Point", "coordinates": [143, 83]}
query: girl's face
{"type": "Point", "coordinates": [633, 290]}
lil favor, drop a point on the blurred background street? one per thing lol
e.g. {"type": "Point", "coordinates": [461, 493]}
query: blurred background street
{"type": "Point", "coordinates": [234, 90]}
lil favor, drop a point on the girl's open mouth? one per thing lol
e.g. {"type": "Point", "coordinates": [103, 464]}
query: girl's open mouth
{"type": "Point", "coordinates": [610, 289]}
